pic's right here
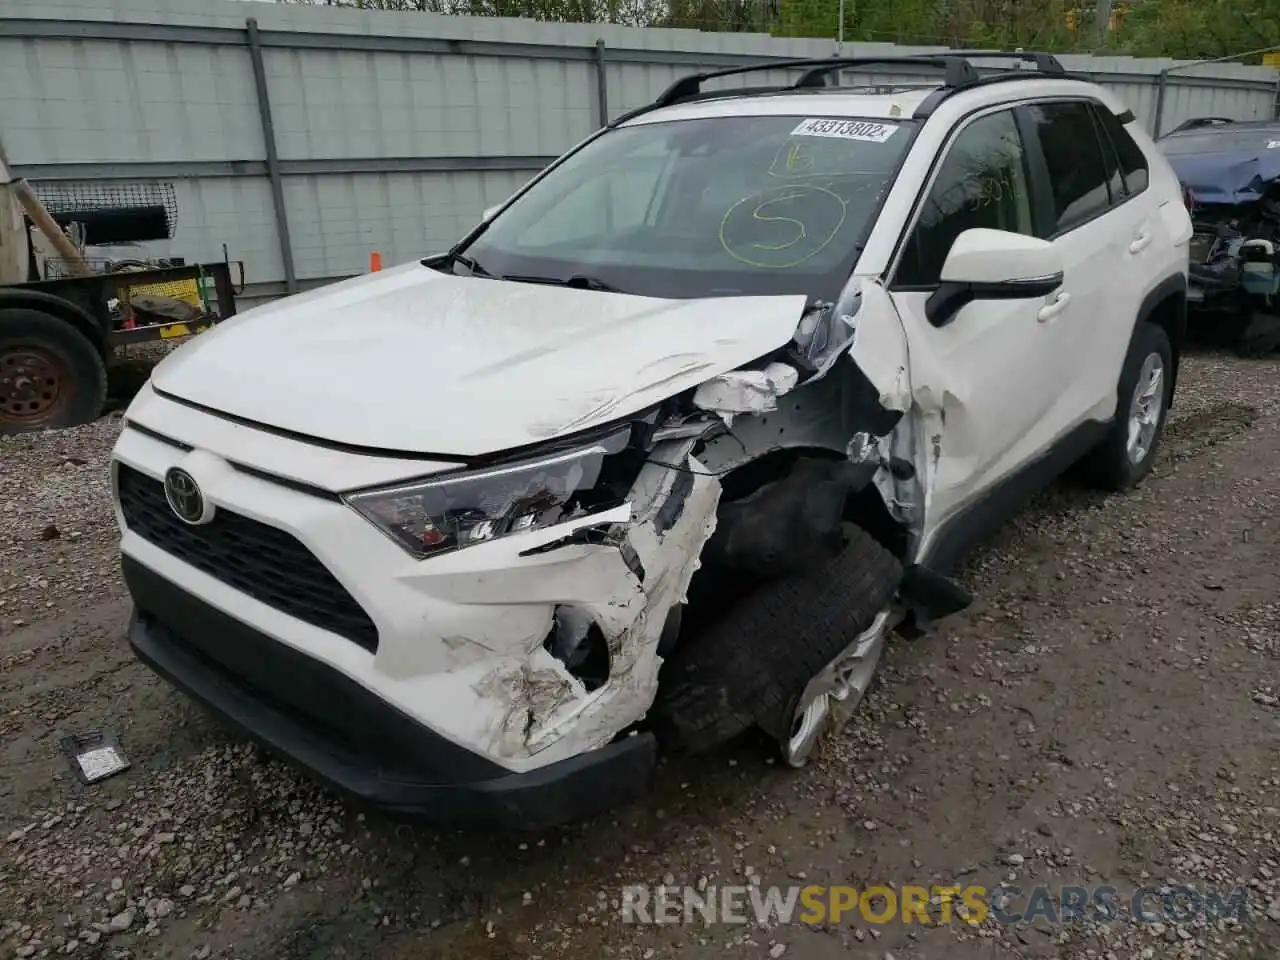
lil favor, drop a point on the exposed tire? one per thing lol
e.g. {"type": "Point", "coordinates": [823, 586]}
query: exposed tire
{"type": "Point", "coordinates": [752, 663]}
{"type": "Point", "coordinates": [1117, 463]}
{"type": "Point", "coordinates": [50, 374]}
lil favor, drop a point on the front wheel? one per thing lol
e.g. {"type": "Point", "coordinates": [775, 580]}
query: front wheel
{"type": "Point", "coordinates": [793, 656]}
{"type": "Point", "coordinates": [1125, 456]}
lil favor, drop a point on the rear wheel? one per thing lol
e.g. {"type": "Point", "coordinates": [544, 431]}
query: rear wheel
{"type": "Point", "coordinates": [50, 374]}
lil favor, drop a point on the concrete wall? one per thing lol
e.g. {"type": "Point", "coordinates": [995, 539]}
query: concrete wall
{"type": "Point", "coordinates": [393, 131]}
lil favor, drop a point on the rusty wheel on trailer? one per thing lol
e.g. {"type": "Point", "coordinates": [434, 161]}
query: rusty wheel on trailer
{"type": "Point", "coordinates": [35, 385]}
{"type": "Point", "coordinates": [50, 374]}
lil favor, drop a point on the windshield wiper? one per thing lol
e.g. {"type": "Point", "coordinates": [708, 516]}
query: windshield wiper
{"type": "Point", "coordinates": [468, 262]}
{"type": "Point", "coordinates": [578, 280]}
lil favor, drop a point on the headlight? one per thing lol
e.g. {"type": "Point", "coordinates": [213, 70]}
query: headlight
{"type": "Point", "coordinates": [439, 515]}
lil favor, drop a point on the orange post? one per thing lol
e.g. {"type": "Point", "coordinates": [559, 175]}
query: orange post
{"type": "Point", "coordinates": [375, 262]}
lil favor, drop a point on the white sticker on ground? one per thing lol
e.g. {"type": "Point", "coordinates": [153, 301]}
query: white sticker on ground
{"type": "Point", "coordinates": [868, 131]}
{"type": "Point", "coordinates": [1273, 144]}
{"type": "Point", "coordinates": [100, 763]}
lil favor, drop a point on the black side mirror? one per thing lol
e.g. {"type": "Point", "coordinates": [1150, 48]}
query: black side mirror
{"type": "Point", "coordinates": [951, 296]}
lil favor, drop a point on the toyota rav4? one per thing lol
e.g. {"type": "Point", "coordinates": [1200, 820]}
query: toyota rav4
{"type": "Point", "coordinates": [668, 445]}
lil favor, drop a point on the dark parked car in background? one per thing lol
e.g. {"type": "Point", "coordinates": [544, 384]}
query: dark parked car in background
{"type": "Point", "coordinates": [1230, 172]}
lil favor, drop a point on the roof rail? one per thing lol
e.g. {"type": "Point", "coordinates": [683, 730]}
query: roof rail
{"type": "Point", "coordinates": [1044, 66]}
{"type": "Point", "coordinates": [958, 73]}
{"type": "Point", "coordinates": [1044, 62]}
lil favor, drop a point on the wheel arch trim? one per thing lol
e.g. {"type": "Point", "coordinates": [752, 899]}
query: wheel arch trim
{"type": "Point", "coordinates": [1172, 288]}
{"type": "Point", "coordinates": [59, 308]}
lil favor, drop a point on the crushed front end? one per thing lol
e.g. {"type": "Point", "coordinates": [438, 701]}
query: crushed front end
{"type": "Point", "coordinates": [1231, 183]}
{"type": "Point", "coordinates": [484, 641]}
{"type": "Point", "coordinates": [482, 674]}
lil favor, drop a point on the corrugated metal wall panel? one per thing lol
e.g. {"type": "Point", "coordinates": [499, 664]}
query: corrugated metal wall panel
{"type": "Point", "coordinates": [67, 101]}
{"type": "Point", "coordinates": [342, 104]}
{"type": "Point", "coordinates": [131, 100]}
{"type": "Point", "coordinates": [1139, 97]}
{"type": "Point", "coordinates": [1182, 102]}
{"type": "Point", "coordinates": [338, 220]}
{"type": "Point", "coordinates": [235, 211]}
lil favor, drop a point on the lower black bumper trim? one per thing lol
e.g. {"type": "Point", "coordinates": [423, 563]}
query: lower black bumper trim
{"type": "Point", "coordinates": [560, 792]}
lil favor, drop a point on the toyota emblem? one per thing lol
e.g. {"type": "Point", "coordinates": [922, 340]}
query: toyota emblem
{"type": "Point", "coordinates": [185, 498]}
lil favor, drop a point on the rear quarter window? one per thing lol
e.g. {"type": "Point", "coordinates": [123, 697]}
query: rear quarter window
{"type": "Point", "coordinates": [1133, 162]}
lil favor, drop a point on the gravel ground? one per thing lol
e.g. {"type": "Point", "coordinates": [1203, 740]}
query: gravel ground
{"type": "Point", "coordinates": [1107, 712]}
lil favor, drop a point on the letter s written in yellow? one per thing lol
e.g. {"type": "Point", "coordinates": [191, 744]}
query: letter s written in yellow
{"type": "Point", "coordinates": [975, 902]}
{"type": "Point", "coordinates": [815, 908]}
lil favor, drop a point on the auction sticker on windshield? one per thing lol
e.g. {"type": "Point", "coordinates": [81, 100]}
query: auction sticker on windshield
{"type": "Point", "coordinates": [868, 131]}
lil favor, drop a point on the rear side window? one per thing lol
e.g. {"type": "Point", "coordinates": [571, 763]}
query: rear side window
{"type": "Point", "coordinates": [1133, 162]}
{"type": "Point", "coordinates": [1074, 158]}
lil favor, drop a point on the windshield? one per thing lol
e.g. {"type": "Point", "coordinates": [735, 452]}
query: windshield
{"type": "Point", "coordinates": [705, 207]}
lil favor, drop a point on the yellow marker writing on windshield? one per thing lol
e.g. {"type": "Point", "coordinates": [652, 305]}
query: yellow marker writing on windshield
{"type": "Point", "coordinates": [824, 215]}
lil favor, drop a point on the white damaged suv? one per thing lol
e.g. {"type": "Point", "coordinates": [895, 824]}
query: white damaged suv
{"type": "Point", "coordinates": [668, 445]}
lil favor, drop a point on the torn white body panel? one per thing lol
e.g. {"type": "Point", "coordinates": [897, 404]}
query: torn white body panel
{"type": "Point", "coordinates": [898, 349]}
{"type": "Point", "coordinates": [746, 391]}
{"type": "Point", "coordinates": [531, 706]}
{"type": "Point", "coordinates": [882, 352]}
{"type": "Point", "coordinates": [880, 348]}
{"type": "Point", "coordinates": [827, 330]}
{"type": "Point", "coordinates": [863, 327]}
{"type": "Point", "coordinates": [531, 703]}
{"type": "Point", "coordinates": [670, 557]}
{"type": "Point", "coordinates": [813, 415]}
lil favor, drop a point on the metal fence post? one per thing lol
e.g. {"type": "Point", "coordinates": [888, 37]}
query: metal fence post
{"type": "Point", "coordinates": [1161, 88]}
{"type": "Point", "coordinates": [602, 85]}
{"type": "Point", "coordinates": [273, 158]}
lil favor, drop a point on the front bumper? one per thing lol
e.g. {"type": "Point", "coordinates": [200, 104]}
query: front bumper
{"type": "Point", "coordinates": [332, 726]}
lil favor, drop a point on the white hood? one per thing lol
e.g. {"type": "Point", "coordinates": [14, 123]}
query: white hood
{"type": "Point", "coordinates": [413, 360]}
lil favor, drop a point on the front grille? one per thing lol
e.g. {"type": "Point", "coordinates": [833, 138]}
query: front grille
{"type": "Point", "coordinates": [259, 560]}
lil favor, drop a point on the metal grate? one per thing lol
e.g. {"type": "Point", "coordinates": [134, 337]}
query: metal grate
{"type": "Point", "coordinates": [56, 268]}
{"type": "Point", "coordinates": [67, 198]}
{"type": "Point", "coordinates": [261, 561]}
